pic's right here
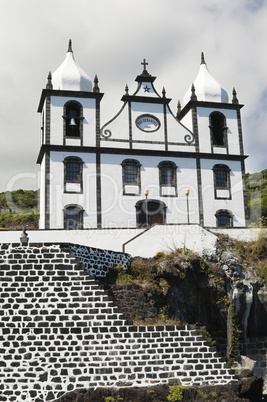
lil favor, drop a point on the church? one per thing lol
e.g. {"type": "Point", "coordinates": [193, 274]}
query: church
{"type": "Point", "coordinates": [145, 166]}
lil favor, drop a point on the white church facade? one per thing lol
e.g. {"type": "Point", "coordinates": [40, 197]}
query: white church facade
{"type": "Point", "coordinates": [146, 165]}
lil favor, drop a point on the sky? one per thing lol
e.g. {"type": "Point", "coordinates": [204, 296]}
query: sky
{"type": "Point", "coordinates": [110, 39]}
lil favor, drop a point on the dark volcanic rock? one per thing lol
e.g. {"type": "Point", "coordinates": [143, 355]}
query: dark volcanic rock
{"type": "Point", "coordinates": [251, 388]}
{"type": "Point", "coordinates": [247, 389]}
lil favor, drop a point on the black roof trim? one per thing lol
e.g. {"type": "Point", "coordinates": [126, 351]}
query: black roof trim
{"type": "Point", "coordinates": [144, 99]}
{"type": "Point", "coordinates": [145, 78]}
{"type": "Point", "coordinates": [213, 105]}
{"type": "Point", "coordinates": [147, 152]}
{"type": "Point", "coordinates": [72, 94]}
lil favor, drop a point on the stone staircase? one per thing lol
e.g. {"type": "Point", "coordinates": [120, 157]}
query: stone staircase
{"type": "Point", "coordinates": [60, 331]}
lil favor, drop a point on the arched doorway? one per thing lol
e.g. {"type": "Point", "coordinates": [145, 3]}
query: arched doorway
{"type": "Point", "coordinates": [150, 212]}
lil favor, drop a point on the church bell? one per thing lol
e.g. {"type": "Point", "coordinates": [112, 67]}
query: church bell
{"type": "Point", "coordinates": [72, 117]}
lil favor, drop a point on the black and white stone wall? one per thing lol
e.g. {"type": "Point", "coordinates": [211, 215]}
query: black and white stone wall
{"type": "Point", "coordinates": [98, 262]}
{"type": "Point", "coordinates": [60, 331]}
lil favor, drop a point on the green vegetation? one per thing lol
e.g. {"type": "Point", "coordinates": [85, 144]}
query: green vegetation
{"type": "Point", "coordinates": [22, 206]}
{"type": "Point", "coordinates": [20, 201]}
{"type": "Point", "coordinates": [210, 269]}
{"type": "Point", "coordinates": [13, 220]}
{"type": "Point", "coordinates": [121, 275]}
{"type": "Point", "coordinates": [111, 399]}
{"type": "Point", "coordinates": [212, 395]}
{"type": "Point", "coordinates": [236, 334]}
{"type": "Point", "coordinates": [262, 273]}
{"type": "Point", "coordinates": [250, 254]}
{"type": "Point", "coordinates": [160, 256]}
{"type": "Point", "coordinates": [163, 314]}
{"type": "Point", "coordinates": [223, 300]}
{"type": "Point", "coordinates": [176, 393]}
{"type": "Point", "coordinates": [207, 335]}
{"type": "Point", "coordinates": [257, 197]}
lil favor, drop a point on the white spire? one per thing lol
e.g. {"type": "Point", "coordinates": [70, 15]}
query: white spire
{"type": "Point", "coordinates": [206, 87]}
{"type": "Point", "coordinates": [69, 76]}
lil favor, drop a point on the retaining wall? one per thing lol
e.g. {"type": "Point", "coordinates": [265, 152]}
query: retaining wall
{"type": "Point", "coordinates": [242, 234]}
{"type": "Point", "coordinates": [256, 350]}
{"type": "Point", "coordinates": [98, 262]}
{"type": "Point", "coordinates": [60, 331]}
{"type": "Point", "coordinates": [135, 241]}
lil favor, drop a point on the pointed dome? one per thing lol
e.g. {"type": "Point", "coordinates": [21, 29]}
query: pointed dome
{"type": "Point", "coordinates": [69, 76]}
{"type": "Point", "coordinates": [207, 89]}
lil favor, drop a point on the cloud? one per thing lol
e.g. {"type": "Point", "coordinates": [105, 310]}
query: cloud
{"type": "Point", "coordinates": [111, 39]}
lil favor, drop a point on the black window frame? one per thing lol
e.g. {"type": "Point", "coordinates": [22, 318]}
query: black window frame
{"type": "Point", "coordinates": [74, 160]}
{"type": "Point", "coordinates": [218, 130]}
{"type": "Point", "coordinates": [162, 166]}
{"type": "Point", "coordinates": [137, 182]}
{"type": "Point", "coordinates": [77, 109]}
{"type": "Point", "coordinates": [222, 214]}
{"type": "Point", "coordinates": [221, 173]}
{"type": "Point", "coordinates": [77, 212]}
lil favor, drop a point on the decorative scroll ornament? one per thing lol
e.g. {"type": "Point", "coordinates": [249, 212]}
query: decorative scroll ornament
{"type": "Point", "coordinates": [189, 138]}
{"type": "Point", "coordinates": [106, 134]}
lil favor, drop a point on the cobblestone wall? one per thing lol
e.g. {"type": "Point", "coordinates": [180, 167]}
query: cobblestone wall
{"type": "Point", "coordinates": [60, 331]}
{"type": "Point", "coordinates": [98, 262]}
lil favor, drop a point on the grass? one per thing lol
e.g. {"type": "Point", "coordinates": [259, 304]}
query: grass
{"type": "Point", "coordinates": [262, 273]}
{"type": "Point", "coordinates": [16, 221]}
{"type": "Point", "coordinates": [163, 318]}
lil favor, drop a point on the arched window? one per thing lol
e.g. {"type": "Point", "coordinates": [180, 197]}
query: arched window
{"type": "Point", "coordinates": [131, 177]}
{"type": "Point", "coordinates": [224, 218]}
{"type": "Point", "coordinates": [218, 129]}
{"type": "Point", "coordinates": [73, 119]}
{"type": "Point", "coordinates": [73, 169]}
{"type": "Point", "coordinates": [167, 179]}
{"type": "Point", "coordinates": [73, 217]}
{"type": "Point", "coordinates": [222, 188]}
{"type": "Point", "coordinates": [150, 212]}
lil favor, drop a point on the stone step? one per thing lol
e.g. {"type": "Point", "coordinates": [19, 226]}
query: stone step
{"type": "Point", "coordinates": [54, 314]}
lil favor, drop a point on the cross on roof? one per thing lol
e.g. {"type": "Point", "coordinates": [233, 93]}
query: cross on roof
{"type": "Point", "coordinates": [144, 63]}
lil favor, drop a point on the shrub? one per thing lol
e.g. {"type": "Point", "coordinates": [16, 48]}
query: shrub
{"type": "Point", "coordinates": [207, 335]}
{"type": "Point", "coordinates": [161, 256]}
{"type": "Point", "coordinates": [121, 274]}
{"type": "Point", "coordinates": [175, 393]}
{"type": "Point", "coordinates": [262, 273]}
{"type": "Point", "coordinates": [259, 248]}
{"type": "Point", "coordinates": [140, 268]}
{"type": "Point", "coordinates": [214, 394]}
{"type": "Point", "coordinates": [163, 313]}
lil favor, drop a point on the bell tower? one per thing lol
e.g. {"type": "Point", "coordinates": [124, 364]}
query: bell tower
{"type": "Point", "coordinates": [70, 129]}
{"type": "Point", "coordinates": [216, 124]}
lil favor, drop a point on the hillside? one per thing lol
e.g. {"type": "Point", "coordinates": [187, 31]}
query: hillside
{"type": "Point", "coordinates": [19, 208]}
{"type": "Point", "coordinates": [257, 197]}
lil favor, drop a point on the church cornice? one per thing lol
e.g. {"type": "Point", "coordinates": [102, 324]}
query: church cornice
{"type": "Point", "coordinates": [144, 152]}
{"type": "Point", "coordinates": [67, 93]}
{"type": "Point", "coordinates": [144, 99]}
{"type": "Point", "coordinates": [212, 105]}
{"type": "Point", "coordinates": [145, 78]}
